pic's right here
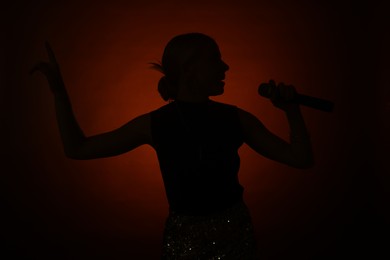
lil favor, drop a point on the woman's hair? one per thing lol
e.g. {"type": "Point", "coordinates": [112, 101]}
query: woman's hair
{"type": "Point", "coordinates": [179, 54]}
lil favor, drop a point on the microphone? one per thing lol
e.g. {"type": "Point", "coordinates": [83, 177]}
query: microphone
{"type": "Point", "coordinates": [313, 102]}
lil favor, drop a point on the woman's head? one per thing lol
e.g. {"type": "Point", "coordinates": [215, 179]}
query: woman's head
{"type": "Point", "coordinates": [192, 65]}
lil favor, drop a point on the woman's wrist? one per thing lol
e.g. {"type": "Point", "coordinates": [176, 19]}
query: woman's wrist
{"type": "Point", "coordinates": [298, 131]}
{"type": "Point", "coordinates": [293, 109]}
{"type": "Point", "coordinates": [60, 94]}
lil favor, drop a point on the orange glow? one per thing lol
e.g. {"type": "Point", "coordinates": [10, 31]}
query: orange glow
{"type": "Point", "coordinates": [104, 54]}
{"type": "Point", "coordinates": [104, 50]}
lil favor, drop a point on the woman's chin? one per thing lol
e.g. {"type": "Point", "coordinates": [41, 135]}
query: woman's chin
{"type": "Point", "coordinates": [217, 92]}
{"type": "Point", "coordinates": [216, 89]}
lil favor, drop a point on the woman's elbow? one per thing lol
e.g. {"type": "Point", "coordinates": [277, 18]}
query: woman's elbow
{"type": "Point", "coordinates": [306, 166]}
{"type": "Point", "coordinates": [76, 155]}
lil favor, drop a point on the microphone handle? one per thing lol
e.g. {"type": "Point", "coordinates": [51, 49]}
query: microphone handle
{"type": "Point", "coordinates": [313, 102]}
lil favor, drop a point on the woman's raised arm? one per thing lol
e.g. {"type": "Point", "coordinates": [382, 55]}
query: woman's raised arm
{"type": "Point", "coordinates": [298, 153]}
{"type": "Point", "coordinates": [76, 144]}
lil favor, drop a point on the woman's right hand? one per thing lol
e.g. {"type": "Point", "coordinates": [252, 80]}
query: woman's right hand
{"type": "Point", "coordinates": [51, 70]}
{"type": "Point", "coordinates": [282, 96]}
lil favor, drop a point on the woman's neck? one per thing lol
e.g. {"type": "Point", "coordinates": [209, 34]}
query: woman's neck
{"type": "Point", "coordinates": [191, 98]}
{"type": "Point", "coordinates": [191, 93]}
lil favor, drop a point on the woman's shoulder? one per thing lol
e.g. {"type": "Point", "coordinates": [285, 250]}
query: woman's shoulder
{"type": "Point", "coordinates": [211, 104]}
{"type": "Point", "coordinates": [223, 105]}
{"type": "Point", "coordinates": [165, 107]}
{"type": "Point", "coordinates": [163, 113]}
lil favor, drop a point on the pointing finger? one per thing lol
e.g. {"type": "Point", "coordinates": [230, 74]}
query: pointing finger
{"type": "Point", "coordinates": [50, 52]}
{"type": "Point", "coordinates": [272, 83]}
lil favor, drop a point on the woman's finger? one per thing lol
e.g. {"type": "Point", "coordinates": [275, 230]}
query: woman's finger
{"type": "Point", "coordinates": [50, 52]}
{"type": "Point", "coordinates": [287, 93]}
{"type": "Point", "coordinates": [282, 91]}
{"type": "Point", "coordinates": [272, 83]}
{"type": "Point", "coordinates": [292, 92]}
{"type": "Point", "coordinates": [271, 90]}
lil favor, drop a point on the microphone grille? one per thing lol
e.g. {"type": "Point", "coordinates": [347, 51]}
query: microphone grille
{"type": "Point", "coordinates": [264, 90]}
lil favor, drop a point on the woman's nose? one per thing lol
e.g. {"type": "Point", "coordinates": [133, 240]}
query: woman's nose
{"type": "Point", "coordinates": [226, 67]}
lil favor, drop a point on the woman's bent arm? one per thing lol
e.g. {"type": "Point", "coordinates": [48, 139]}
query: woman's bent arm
{"type": "Point", "coordinates": [297, 154]}
{"type": "Point", "coordinates": [76, 145]}
{"type": "Point", "coordinates": [71, 134]}
{"type": "Point", "coordinates": [126, 138]}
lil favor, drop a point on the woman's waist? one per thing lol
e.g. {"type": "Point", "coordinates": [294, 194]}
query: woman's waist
{"type": "Point", "coordinates": [207, 208]}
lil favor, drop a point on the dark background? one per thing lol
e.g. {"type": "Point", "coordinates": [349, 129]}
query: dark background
{"type": "Point", "coordinates": [115, 208]}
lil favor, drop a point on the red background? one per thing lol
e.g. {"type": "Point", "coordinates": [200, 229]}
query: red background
{"type": "Point", "coordinates": [115, 208]}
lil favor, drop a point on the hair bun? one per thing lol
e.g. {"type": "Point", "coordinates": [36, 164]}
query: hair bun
{"type": "Point", "coordinates": [164, 88]}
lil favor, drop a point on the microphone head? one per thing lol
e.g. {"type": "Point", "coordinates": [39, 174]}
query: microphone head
{"type": "Point", "coordinates": [264, 90]}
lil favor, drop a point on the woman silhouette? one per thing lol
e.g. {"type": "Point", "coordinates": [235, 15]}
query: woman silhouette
{"type": "Point", "coordinates": [196, 141]}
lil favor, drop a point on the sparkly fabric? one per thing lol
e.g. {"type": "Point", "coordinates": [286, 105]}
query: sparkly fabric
{"type": "Point", "coordinates": [226, 235]}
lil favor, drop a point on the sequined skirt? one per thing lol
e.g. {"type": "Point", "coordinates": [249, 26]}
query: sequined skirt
{"type": "Point", "coordinates": [225, 235]}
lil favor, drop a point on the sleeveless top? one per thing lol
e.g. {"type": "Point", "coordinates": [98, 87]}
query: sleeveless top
{"type": "Point", "coordinates": [197, 149]}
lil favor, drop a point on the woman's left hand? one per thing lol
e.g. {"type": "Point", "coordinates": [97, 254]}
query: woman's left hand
{"type": "Point", "coordinates": [51, 70]}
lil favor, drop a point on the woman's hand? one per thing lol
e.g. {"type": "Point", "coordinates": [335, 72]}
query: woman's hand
{"type": "Point", "coordinates": [282, 96]}
{"type": "Point", "coordinates": [51, 70]}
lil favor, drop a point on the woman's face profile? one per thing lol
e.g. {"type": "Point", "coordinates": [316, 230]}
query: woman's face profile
{"type": "Point", "coordinates": [209, 71]}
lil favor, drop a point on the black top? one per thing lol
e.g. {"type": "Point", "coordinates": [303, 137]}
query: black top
{"type": "Point", "coordinates": [197, 148]}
